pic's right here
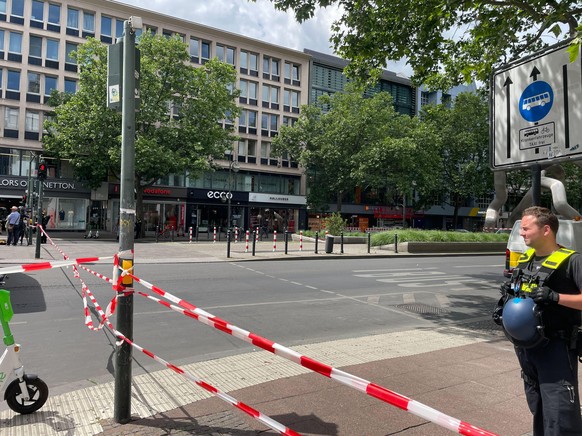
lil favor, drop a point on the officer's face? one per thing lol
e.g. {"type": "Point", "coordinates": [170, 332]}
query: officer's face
{"type": "Point", "coordinates": [532, 233]}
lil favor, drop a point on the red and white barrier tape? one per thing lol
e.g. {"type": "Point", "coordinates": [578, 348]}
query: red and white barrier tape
{"type": "Point", "coordinates": [29, 267]}
{"type": "Point", "coordinates": [360, 384]}
{"type": "Point", "coordinates": [269, 422]}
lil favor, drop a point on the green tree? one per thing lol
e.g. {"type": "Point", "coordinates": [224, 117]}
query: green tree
{"type": "Point", "coordinates": [445, 42]}
{"type": "Point", "coordinates": [330, 144]}
{"type": "Point", "coordinates": [177, 128]}
{"type": "Point", "coordinates": [462, 141]}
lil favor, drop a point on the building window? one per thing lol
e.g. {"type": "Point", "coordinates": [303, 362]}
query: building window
{"type": "Point", "coordinates": [225, 53]}
{"type": "Point", "coordinates": [271, 69]}
{"type": "Point", "coordinates": [106, 25]}
{"type": "Point", "coordinates": [291, 101]}
{"type": "Point", "coordinates": [270, 96]}
{"type": "Point", "coordinates": [194, 50]}
{"type": "Point", "coordinates": [72, 18]}
{"type": "Point", "coordinates": [88, 22]}
{"type": "Point", "coordinates": [17, 8]}
{"type": "Point", "coordinates": [50, 83]}
{"type": "Point", "coordinates": [118, 28]}
{"type": "Point", "coordinates": [37, 11]}
{"type": "Point", "coordinates": [424, 98]}
{"type": "Point", "coordinates": [11, 118]}
{"type": "Point", "coordinates": [249, 63]}
{"type": "Point", "coordinates": [292, 74]}
{"type": "Point", "coordinates": [447, 100]}
{"type": "Point", "coordinates": [269, 124]}
{"type": "Point", "coordinates": [52, 49]}
{"type": "Point", "coordinates": [289, 121]}
{"type": "Point", "coordinates": [251, 147]}
{"type": "Point", "coordinates": [70, 86]}
{"type": "Point", "coordinates": [265, 149]}
{"type": "Point", "coordinates": [34, 83]}
{"type": "Point", "coordinates": [32, 122]}
{"type": "Point", "coordinates": [70, 47]}
{"type": "Point", "coordinates": [248, 92]}
{"type": "Point", "coordinates": [35, 47]}
{"type": "Point", "coordinates": [1, 44]}
{"type": "Point", "coordinates": [15, 43]}
{"type": "Point", "coordinates": [2, 6]}
{"type": "Point", "coordinates": [247, 119]}
{"type": "Point", "coordinates": [205, 51]}
{"type": "Point", "coordinates": [13, 80]}
{"type": "Point", "coordinates": [54, 15]}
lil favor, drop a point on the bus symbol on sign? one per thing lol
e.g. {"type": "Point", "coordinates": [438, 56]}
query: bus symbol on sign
{"type": "Point", "coordinates": [536, 101]}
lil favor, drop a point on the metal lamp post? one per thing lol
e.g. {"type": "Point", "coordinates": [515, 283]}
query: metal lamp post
{"type": "Point", "coordinates": [232, 166]}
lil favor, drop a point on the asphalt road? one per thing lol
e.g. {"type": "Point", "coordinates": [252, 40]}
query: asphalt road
{"type": "Point", "coordinates": [290, 302]}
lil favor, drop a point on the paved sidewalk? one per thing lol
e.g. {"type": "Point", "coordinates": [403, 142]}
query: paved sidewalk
{"type": "Point", "coordinates": [469, 374]}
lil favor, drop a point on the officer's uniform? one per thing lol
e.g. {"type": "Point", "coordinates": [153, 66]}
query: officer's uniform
{"type": "Point", "coordinates": [550, 368]}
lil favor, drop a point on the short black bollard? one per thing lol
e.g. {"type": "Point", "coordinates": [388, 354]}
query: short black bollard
{"type": "Point", "coordinates": [396, 243]}
{"type": "Point", "coordinates": [172, 229]}
{"type": "Point", "coordinates": [342, 243]}
{"type": "Point", "coordinates": [286, 241]}
{"type": "Point", "coordinates": [255, 235]}
{"type": "Point", "coordinates": [157, 233]}
{"type": "Point", "coordinates": [316, 241]}
{"type": "Point", "coordinates": [219, 230]}
{"type": "Point", "coordinates": [369, 241]}
{"type": "Point", "coordinates": [228, 243]}
{"type": "Point", "coordinates": [197, 232]}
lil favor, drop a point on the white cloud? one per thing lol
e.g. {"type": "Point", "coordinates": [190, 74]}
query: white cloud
{"type": "Point", "coordinates": [258, 20]}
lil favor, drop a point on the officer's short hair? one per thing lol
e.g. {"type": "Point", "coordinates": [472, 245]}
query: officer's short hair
{"type": "Point", "coordinates": [544, 217]}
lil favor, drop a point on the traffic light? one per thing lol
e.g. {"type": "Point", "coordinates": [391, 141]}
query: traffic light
{"type": "Point", "coordinates": [24, 200]}
{"type": "Point", "coordinates": [42, 170]}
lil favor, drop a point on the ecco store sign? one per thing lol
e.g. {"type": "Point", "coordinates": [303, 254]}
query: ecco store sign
{"type": "Point", "coordinates": [219, 195]}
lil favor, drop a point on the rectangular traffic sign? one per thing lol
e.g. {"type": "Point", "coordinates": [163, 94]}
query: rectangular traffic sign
{"type": "Point", "coordinates": [536, 110]}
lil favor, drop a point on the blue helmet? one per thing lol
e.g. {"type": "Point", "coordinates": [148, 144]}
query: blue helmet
{"type": "Point", "coordinates": [522, 322]}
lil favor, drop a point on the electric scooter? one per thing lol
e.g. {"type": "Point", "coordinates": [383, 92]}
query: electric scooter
{"type": "Point", "coordinates": [27, 393]}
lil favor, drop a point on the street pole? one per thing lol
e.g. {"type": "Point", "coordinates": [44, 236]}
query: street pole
{"type": "Point", "coordinates": [38, 219]}
{"type": "Point", "coordinates": [29, 200]}
{"type": "Point", "coordinates": [123, 357]}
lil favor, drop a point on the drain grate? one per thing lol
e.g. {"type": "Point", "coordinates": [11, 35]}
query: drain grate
{"type": "Point", "coordinates": [423, 309]}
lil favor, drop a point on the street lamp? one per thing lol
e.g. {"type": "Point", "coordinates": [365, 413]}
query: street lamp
{"type": "Point", "coordinates": [232, 166]}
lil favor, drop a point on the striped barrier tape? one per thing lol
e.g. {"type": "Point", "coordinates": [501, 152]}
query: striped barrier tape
{"type": "Point", "coordinates": [360, 384]}
{"type": "Point", "coordinates": [254, 413]}
{"type": "Point", "coordinates": [30, 267]}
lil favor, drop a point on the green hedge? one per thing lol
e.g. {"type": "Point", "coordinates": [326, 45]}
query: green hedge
{"type": "Point", "coordinates": [416, 235]}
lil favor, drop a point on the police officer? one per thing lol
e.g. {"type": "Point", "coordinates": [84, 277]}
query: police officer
{"type": "Point", "coordinates": [552, 277]}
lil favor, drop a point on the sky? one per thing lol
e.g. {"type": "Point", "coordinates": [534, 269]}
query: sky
{"type": "Point", "coordinates": [258, 20]}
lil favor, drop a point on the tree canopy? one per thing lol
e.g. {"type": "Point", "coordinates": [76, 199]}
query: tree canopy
{"type": "Point", "coordinates": [358, 141]}
{"type": "Point", "coordinates": [177, 124]}
{"type": "Point", "coordinates": [445, 42]}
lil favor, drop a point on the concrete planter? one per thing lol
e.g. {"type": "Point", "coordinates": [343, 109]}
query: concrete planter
{"type": "Point", "coordinates": [453, 247]}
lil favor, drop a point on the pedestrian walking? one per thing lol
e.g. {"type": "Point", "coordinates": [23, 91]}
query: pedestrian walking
{"type": "Point", "coordinates": [12, 223]}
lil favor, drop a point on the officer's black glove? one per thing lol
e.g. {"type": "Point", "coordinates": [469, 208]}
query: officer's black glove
{"type": "Point", "coordinates": [506, 289]}
{"type": "Point", "coordinates": [545, 295]}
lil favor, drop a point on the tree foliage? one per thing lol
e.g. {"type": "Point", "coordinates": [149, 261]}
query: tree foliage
{"type": "Point", "coordinates": [177, 127]}
{"type": "Point", "coordinates": [461, 137]}
{"type": "Point", "coordinates": [357, 142]}
{"type": "Point", "coordinates": [445, 42]}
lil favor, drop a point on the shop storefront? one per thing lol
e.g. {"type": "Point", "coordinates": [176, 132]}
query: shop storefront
{"type": "Point", "coordinates": [208, 208]}
{"type": "Point", "coordinates": [277, 212]}
{"type": "Point", "coordinates": [163, 207]}
{"type": "Point", "coordinates": [66, 202]}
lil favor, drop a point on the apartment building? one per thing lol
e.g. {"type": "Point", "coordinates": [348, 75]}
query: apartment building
{"type": "Point", "coordinates": [36, 38]}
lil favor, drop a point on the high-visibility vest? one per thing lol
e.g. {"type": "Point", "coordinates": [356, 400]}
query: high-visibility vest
{"type": "Point", "coordinates": [533, 279]}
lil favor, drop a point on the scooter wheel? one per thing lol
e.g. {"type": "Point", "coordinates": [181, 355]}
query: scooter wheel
{"type": "Point", "coordinates": [37, 392]}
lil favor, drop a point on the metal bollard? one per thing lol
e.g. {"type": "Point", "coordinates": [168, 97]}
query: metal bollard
{"type": "Point", "coordinates": [197, 232]}
{"type": "Point", "coordinates": [316, 241]}
{"type": "Point", "coordinates": [255, 240]}
{"type": "Point", "coordinates": [369, 241]}
{"type": "Point", "coordinates": [286, 241]}
{"type": "Point", "coordinates": [172, 233]}
{"type": "Point", "coordinates": [228, 243]}
{"type": "Point", "coordinates": [190, 235]}
{"type": "Point", "coordinates": [342, 243]}
{"type": "Point", "coordinates": [157, 233]}
{"type": "Point", "coordinates": [396, 243]}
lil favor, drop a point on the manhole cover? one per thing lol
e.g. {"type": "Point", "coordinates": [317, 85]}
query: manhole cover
{"type": "Point", "coordinates": [423, 309]}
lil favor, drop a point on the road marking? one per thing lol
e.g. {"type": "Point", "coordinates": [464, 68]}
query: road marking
{"type": "Point", "coordinates": [443, 300]}
{"type": "Point", "coordinates": [311, 287]}
{"type": "Point", "coordinates": [298, 284]}
{"type": "Point", "coordinates": [374, 299]}
{"type": "Point", "coordinates": [283, 280]}
{"type": "Point", "coordinates": [392, 269]}
{"type": "Point", "coordinates": [479, 266]}
{"type": "Point", "coordinates": [400, 274]}
{"type": "Point", "coordinates": [408, 298]}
